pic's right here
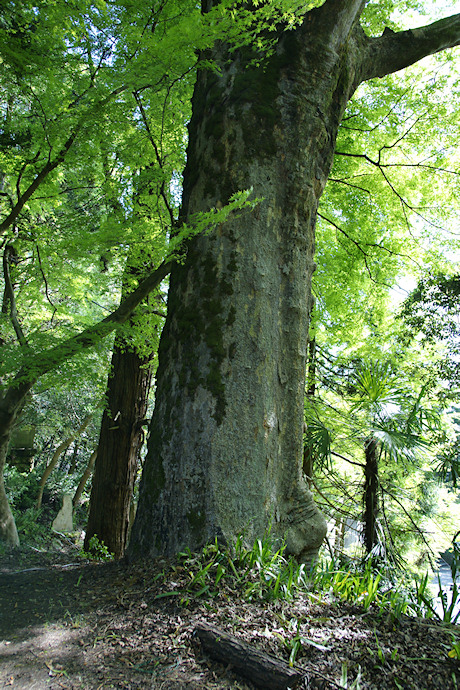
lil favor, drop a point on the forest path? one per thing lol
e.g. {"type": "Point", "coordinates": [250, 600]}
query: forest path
{"type": "Point", "coordinates": [67, 624]}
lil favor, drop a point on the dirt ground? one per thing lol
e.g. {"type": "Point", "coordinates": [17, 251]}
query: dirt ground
{"type": "Point", "coordinates": [66, 623]}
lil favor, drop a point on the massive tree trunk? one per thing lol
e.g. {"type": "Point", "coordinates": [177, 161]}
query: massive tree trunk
{"type": "Point", "coordinates": [225, 447]}
{"type": "Point", "coordinates": [120, 441]}
{"type": "Point", "coordinates": [226, 440]}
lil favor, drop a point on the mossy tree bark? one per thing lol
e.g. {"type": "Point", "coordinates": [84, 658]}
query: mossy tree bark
{"type": "Point", "coordinates": [225, 447]}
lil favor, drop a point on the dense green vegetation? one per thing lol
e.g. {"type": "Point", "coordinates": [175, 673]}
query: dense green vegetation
{"type": "Point", "coordinates": [95, 100]}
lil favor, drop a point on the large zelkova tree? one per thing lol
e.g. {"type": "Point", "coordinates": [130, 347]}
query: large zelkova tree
{"type": "Point", "coordinates": [71, 141]}
{"type": "Point", "coordinates": [225, 446]}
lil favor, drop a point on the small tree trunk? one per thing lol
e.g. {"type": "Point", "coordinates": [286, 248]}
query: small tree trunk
{"type": "Point", "coordinates": [371, 495]}
{"type": "Point", "coordinates": [84, 479]}
{"type": "Point", "coordinates": [56, 455]}
{"type": "Point", "coordinates": [120, 441]}
{"type": "Point", "coordinates": [311, 367]}
{"type": "Point", "coordinates": [11, 405]}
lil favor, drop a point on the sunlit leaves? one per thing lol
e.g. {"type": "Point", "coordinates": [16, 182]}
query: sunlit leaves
{"type": "Point", "coordinates": [390, 208]}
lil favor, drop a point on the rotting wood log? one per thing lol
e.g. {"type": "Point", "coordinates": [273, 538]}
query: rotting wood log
{"type": "Point", "coordinates": [263, 670]}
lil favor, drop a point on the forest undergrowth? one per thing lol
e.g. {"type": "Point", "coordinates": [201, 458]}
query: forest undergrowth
{"type": "Point", "coordinates": [70, 622]}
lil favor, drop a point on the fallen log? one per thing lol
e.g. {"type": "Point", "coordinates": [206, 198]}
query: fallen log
{"type": "Point", "coordinates": [263, 670]}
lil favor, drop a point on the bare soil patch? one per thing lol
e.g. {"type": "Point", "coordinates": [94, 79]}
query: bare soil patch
{"type": "Point", "coordinates": [66, 623]}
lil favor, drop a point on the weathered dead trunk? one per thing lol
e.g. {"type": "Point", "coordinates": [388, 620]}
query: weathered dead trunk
{"type": "Point", "coordinates": [262, 669]}
{"type": "Point", "coordinates": [120, 441]}
{"type": "Point", "coordinates": [371, 494]}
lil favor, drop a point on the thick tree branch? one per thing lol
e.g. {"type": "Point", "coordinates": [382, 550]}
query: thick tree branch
{"type": "Point", "coordinates": [394, 51]}
{"type": "Point", "coordinates": [52, 358]}
{"type": "Point", "coordinates": [44, 362]}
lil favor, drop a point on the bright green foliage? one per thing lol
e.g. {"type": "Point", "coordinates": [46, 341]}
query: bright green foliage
{"type": "Point", "coordinates": [262, 572]}
{"type": "Point", "coordinates": [389, 211]}
{"type": "Point", "coordinates": [97, 550]}
{"type": "Point", "coordinates": [95, 105]}
{"type": "Point", "coordinates": [430, 317]}
{"type": "Point", "coordinates": [258, 572]}
{"type": "Point", "coordinates": [390, 207]}
{"type": "Point", "coordinates": [95, 102]}
{"type": "Point", "coordinates": [376, 401]}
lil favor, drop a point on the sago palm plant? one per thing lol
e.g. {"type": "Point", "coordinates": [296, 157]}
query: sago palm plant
{"type": "Point", "coordinates": [389, 422]}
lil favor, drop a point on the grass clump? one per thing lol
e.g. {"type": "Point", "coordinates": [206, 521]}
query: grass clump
{"type": "Point", "coordinates": [264, 572]}
{"type": "Point", "coordinates": [261, 572]}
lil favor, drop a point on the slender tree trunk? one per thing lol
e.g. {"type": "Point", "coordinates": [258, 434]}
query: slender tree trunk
{"type": "Point", "coordinates": [56, 455]}
{"type": "Point", "coordinates": [308, 458]}
{"type": "Point", "coordinates": [120, 441]}
{"type": "Point", "coordinates": [84, 480]}
{"type": "Point", "coordinates": [371, 494]}
{"type": "Point", "coordinates": [73, 461]}
{"type": "Point", "coordinates": [11, 406]}
{"type": "Point", "coordinates": [311, 368]}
